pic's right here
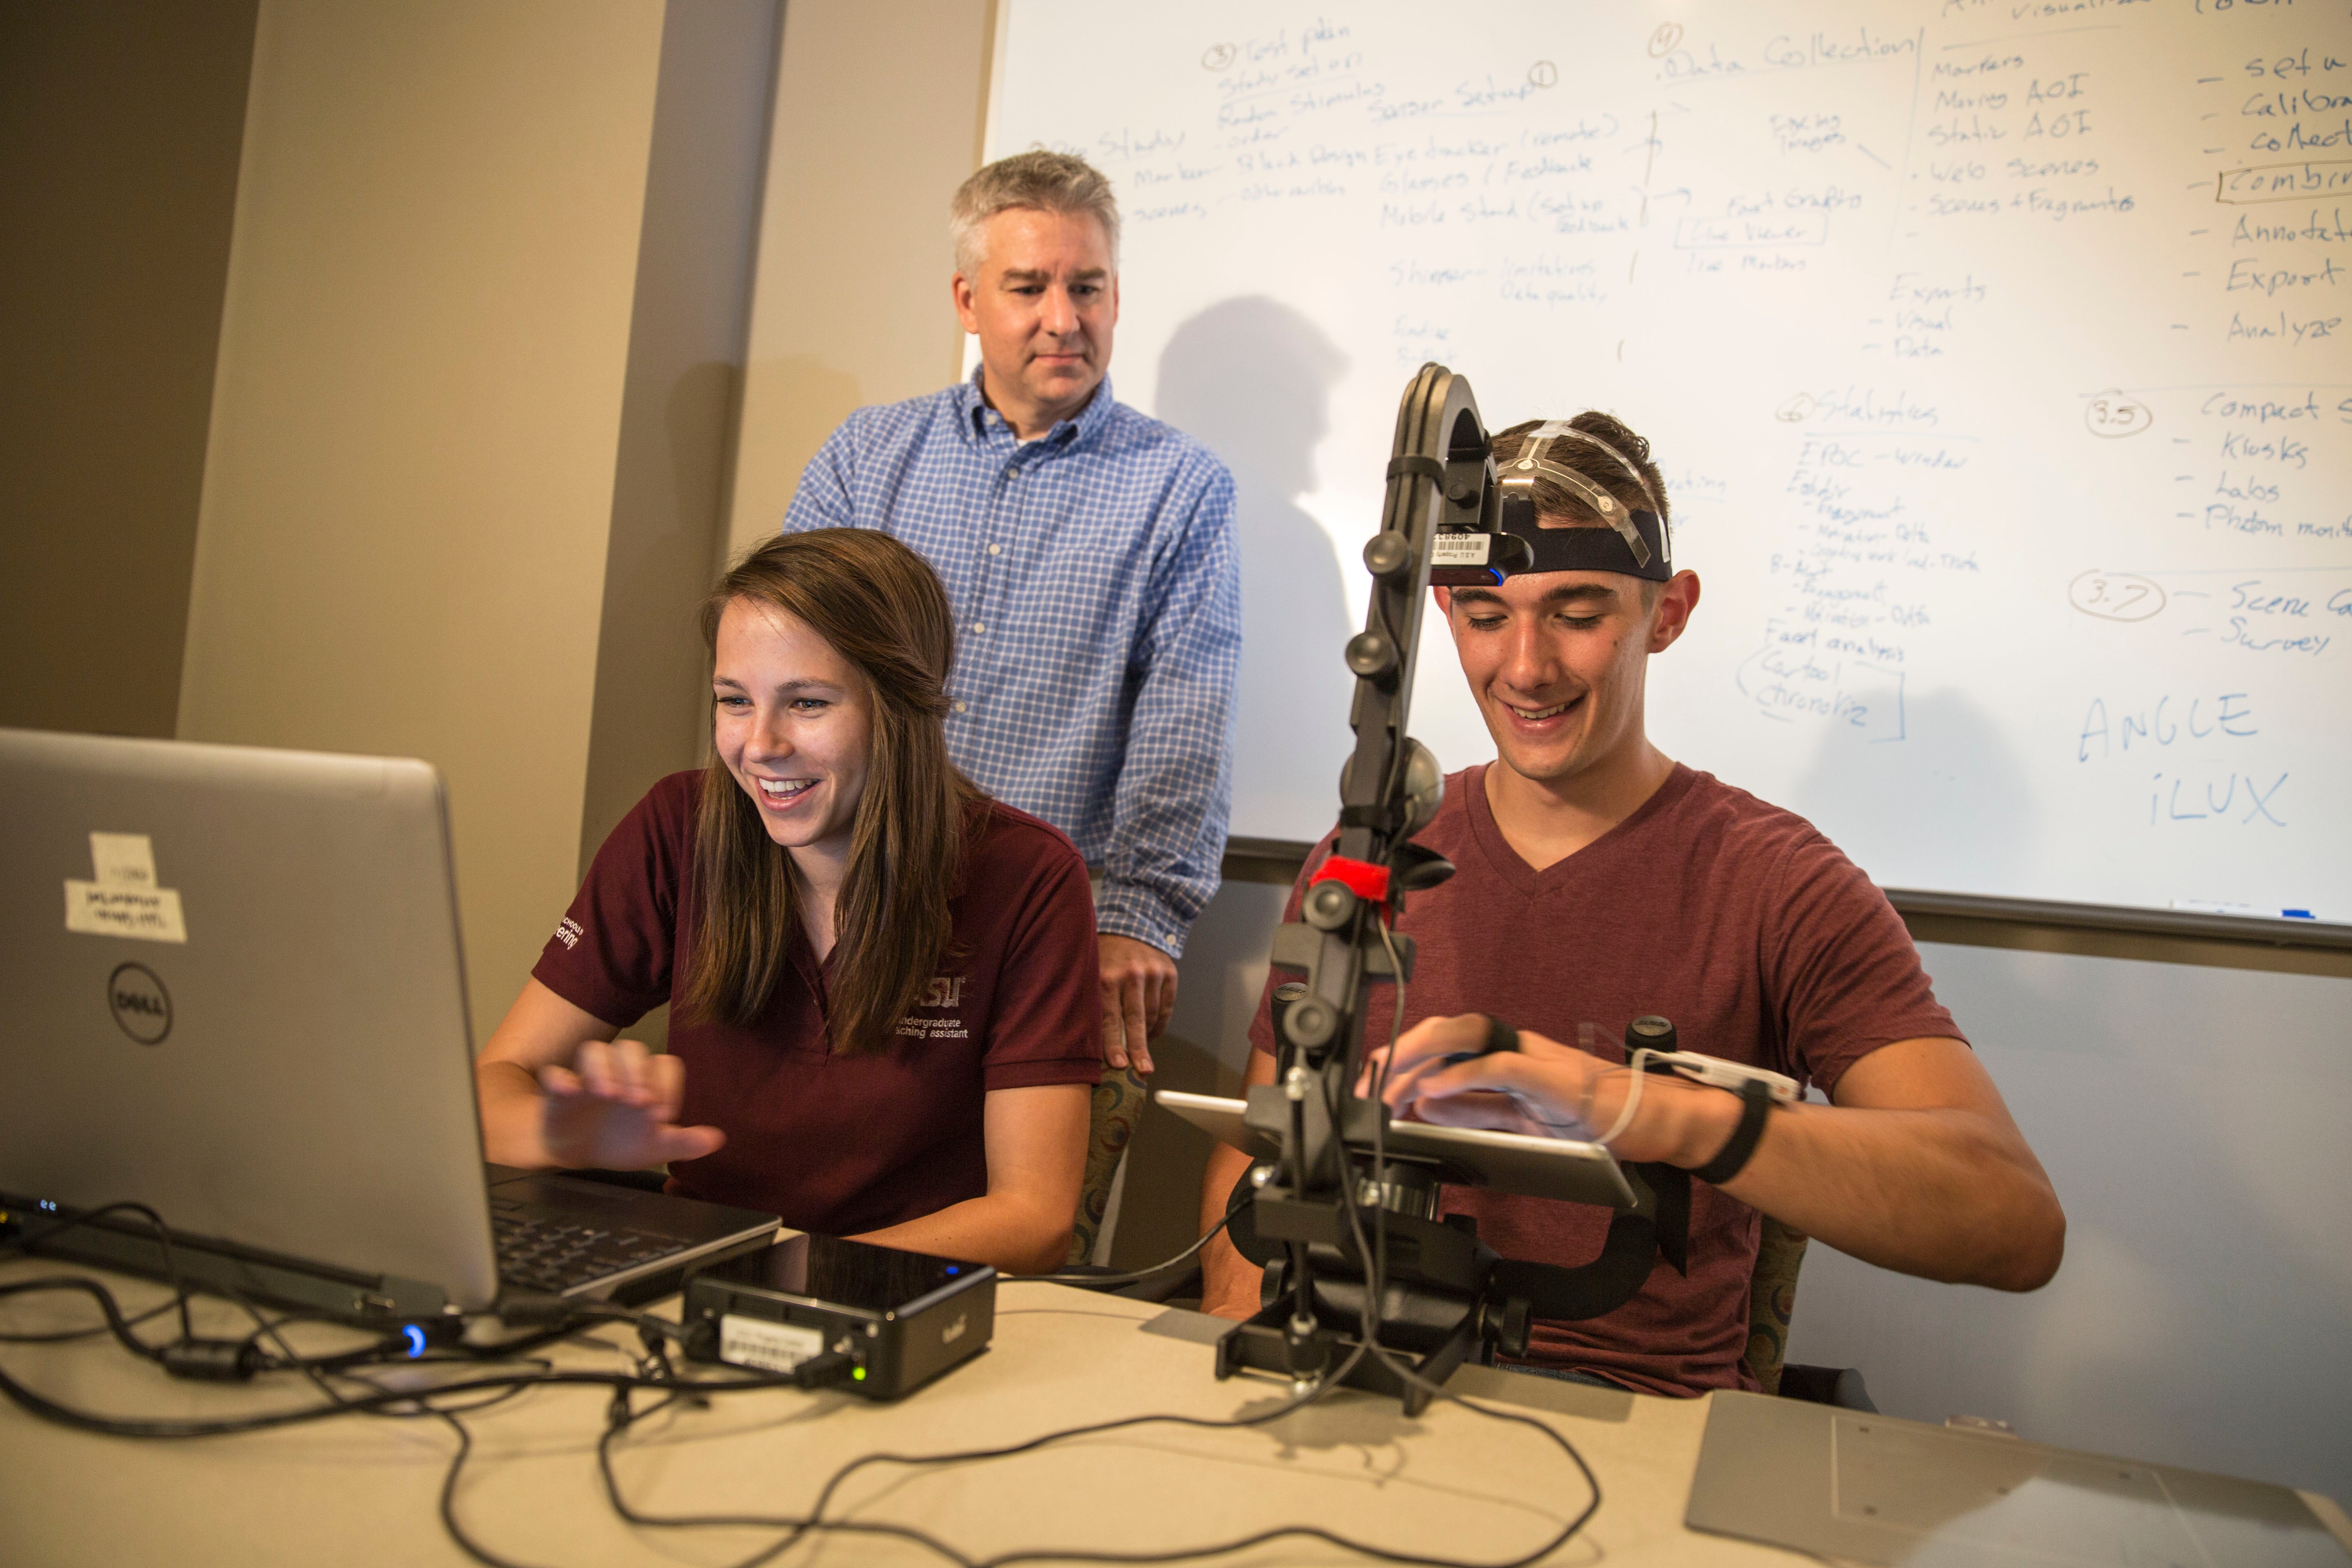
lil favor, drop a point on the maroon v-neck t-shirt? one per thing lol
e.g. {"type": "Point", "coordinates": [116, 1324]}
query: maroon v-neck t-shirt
{"type": "Point", "coordinates": [1736, 920]}
{"type": "Point", "coordinates": [841, 1144]}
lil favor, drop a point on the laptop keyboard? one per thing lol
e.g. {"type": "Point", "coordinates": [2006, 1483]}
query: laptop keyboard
{"type": "Point", "coordinates": [556, 1256]}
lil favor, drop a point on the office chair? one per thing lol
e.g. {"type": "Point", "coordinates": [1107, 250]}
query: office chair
{"type": "Point", "coordinates": [1771, 1301]}
{"type": "Point", "coordinates": [1111, 1128]}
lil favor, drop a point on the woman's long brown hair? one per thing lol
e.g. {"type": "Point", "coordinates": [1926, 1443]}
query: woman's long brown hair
{"type": "Point", "coordinates": [883, 610]}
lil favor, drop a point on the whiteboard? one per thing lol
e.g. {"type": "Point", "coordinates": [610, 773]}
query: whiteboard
{"type": "Point", "coordinates": [1995, 355]}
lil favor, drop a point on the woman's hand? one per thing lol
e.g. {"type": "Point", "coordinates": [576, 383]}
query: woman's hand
{"type": "Point", "coordinates": [615, 1108]}
{"type": "Point", "coordinates": [556, 1091]}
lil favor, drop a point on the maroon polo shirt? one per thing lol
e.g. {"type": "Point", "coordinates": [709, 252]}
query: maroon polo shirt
{"type": "Point", "coordinates": [1736, 920]}
{"type": "Point", "coordinates": [842, 1144]}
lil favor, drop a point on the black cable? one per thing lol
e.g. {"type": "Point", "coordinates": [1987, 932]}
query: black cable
{"type": "Point", "coordinates": [39, 1404]}
{"type": "Point", "coordinates": [413, 1402]}
{"type": "Point", "coordinates": [420, 1402]}
{"type": "Point", "coordinates": [25, 1243]}
{"type": "Point", "coordinates": [1376, 1281]}
{"type": "Point", "coordinates": [1132, 1276]}
{"type": "Point", "coordinates": [116, 1323]}
{"type": "Point", "coordinates": [66, 1336]}
{"type": "Point", "coordinates": [798, 1527]}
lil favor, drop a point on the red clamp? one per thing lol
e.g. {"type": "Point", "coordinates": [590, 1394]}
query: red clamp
{"type": "Point", "coordinates": [1362, 877]}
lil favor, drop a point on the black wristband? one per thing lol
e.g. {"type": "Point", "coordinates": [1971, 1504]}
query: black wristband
{"type": "Point", "coordinates": [1755, 1104]}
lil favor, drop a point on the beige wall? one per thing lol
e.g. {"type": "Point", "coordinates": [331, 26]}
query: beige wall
{"type": "Point", "coordinates": [458, 410]}
{"type": "Point", "coordinates": [410, 482]}
{"type": "Point", "coordinates": [680, 401]}
{"type": "Point", "coordinates": [119, 126]}
{"type": "Point", "coordinates": [878, 121]}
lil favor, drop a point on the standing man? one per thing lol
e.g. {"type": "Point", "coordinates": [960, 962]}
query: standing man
{"type": "Point", "coordinates": [1089, 554]}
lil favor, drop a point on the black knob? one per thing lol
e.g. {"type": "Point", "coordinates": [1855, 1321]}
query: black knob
{"type": "Point", "coordinates": [1310, 1022]}
{"type": "Point", "coordinates": [1649, 1033]}
{"type": "Point", "coordinates": [1512, 1333]}
{"type": "Point", "coordinates": [1370, 654]}
{"type": "Point", "coordinates": [1284, 996]}
{"type": "Point", "coordinates": [1386, 554]}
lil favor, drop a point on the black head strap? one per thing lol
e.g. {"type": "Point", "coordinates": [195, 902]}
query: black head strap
{"type": "Point", "coordinates": [1635, 541]}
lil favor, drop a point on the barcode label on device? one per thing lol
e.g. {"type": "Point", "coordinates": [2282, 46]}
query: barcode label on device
{"type": "Point", "coordinates": [771, 1347]}
{"type": "Point", "coordinates": [1461, 550]}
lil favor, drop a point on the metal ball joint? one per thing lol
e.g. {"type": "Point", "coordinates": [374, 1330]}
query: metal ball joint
{"type": "Point", "coordinates": [1386, 554]}
{"type": "Point", "coordinates": [1328, 907]}
{"type": "Point", "coordinates": [1369, 654]}
{"type": "Point", "coordinates": [1310, 1023]}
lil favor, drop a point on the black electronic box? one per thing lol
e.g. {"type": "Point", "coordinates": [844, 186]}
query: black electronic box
{"type": "Point", "coordinates": [903, 1318]}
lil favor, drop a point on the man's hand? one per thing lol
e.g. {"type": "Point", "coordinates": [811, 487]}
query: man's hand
{"type": "Point", "coordinates": [1546, 1089]}
{"type": "Point", "coordinates": [1138, 989]}
{"type": "Point", "coordinates": [616, 1109]}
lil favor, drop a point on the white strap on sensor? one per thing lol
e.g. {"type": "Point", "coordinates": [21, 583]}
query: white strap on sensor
{"type": "Point", "coordinates": [1713, 1071]}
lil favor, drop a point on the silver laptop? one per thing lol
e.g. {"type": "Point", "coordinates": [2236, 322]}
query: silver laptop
{"type": "Point", "coordinates": [1864, 1488]}
{"type": "Point", "coordinates": [237, 997]}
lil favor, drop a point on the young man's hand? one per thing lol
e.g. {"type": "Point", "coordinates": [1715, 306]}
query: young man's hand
{"type": "Point", "coordinates": [1546, 1089]}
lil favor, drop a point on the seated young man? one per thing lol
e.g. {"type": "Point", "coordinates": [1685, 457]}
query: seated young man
{"type": "Point", "coordinates": [1599, 880]}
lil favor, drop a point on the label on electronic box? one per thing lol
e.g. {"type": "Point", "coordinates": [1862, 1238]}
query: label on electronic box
{"type": "Point", "coordinates": [771, 1347]}
{"type": "Point", "coordinates": [1461, 550]}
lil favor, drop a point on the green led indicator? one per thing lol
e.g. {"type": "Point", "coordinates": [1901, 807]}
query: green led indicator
{"type": "Point", "coordinates": [857, 1375]}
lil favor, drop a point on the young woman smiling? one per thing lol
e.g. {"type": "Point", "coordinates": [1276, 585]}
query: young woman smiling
{"type": "Point", "coordinates": [885, 1011]}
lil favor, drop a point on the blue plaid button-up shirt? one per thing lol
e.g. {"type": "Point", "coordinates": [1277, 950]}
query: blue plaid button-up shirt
{"type": "Point", "coordinates": [1097, 598]}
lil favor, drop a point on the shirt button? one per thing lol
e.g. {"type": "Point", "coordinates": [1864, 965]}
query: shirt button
{"type": "Point", "coordinates": [959, 707]}
{"type": "Point", "coordinates": [980, 626]}
{"type": "Point", "coordinates": [996, 550]}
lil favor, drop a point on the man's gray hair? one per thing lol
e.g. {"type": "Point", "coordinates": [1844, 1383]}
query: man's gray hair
{"type": "Point", "coordinates": [1037, 180]}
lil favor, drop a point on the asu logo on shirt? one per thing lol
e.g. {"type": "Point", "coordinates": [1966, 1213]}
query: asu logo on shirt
{"type": "Point", "coordinates": [945, 994]}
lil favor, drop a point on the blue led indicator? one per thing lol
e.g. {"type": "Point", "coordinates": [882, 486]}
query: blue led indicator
{"type": "Point", "coordinates": [416, 1338]}
{"type": "Point", "coordinates": [954, 1271]}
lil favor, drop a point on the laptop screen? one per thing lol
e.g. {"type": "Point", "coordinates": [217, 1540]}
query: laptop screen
{"type": "Point", "coordinates": [235, 995]}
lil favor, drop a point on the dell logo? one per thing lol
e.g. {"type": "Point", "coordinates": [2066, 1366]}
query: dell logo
{"type": "Point", "coordinates": [141, 1005]}
{"type": "Point", "coordinates": [954, 1331]}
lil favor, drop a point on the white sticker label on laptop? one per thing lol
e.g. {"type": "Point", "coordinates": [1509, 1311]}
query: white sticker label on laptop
{"type": "Point", "coordinates": [148, 914]}
{"type": "Point", "coordinates": [123, 899]}
{"type": "Point", "coordinates": [771, 1347]}
{"type": "Point", "coordinates": [123, 859]}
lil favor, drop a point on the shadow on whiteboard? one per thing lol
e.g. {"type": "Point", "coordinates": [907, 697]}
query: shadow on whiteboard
{"type": "Point", "coordinates": [1252, 379]}
{"type": "Point", "coordinates": [1947, 799]}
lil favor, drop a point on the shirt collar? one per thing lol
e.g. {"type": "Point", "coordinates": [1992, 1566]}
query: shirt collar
{"type": "Point", "coordinates": [976, 416]}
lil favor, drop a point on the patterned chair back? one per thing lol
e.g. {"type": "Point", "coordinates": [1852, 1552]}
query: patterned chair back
{"type": "Point", "coordinates": [1772, 1300]}
{"type": "Point", "coordinates": [1111, 1128]}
